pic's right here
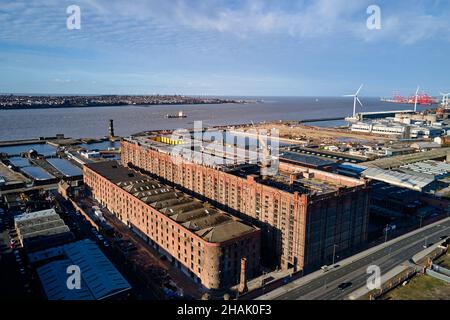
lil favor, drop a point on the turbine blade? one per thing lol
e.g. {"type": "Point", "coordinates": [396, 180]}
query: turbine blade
{"type": "Point", "coordinates": [417, 91]}
{"type": "Point", "coordinates": [359, 90]}
{"type": "Point", "coordinates": [359, 101]}
{"type": "Point", "coordinates": [349, 95]}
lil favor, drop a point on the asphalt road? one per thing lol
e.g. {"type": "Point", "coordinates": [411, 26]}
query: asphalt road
{"type": "Point", "coordinates": [326, 286]}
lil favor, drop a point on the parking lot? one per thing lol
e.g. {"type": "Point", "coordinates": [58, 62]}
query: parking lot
{"type": "Point", "coordinates": [149, 273]}
{"type": "Point", "coordinates": [17, 278]}
{"type": "Point", "coordinates": [160, 275]}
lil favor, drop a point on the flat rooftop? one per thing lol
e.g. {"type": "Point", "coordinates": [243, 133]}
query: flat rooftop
{"type": "Point", "coordinates": [208, 222]}
{"type": "Point", "coordinates": [302, 157]}
{"type": "Point", "coordinates": [214, 148]}
{"type": "Point", "coordinates": [306, 182]}
{"type": "Point", "coordinates": [327, 154]}
{"type": "Point", "coordinates": [306, 159]}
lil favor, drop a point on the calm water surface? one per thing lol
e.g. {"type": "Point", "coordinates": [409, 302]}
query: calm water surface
{"type": "Point", "coordinates": [93, 121]}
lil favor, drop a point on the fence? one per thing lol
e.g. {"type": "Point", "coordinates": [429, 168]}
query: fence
{"type": "Point", "coordinates": [410, 274]}
{"type": "Point", "coordinates": [394, 283]}
{"type": "Point", "coordinates": [270, 286]}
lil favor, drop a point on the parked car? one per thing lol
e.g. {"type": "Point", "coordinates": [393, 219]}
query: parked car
{"type": "Point", "coordinates": [325, 268]}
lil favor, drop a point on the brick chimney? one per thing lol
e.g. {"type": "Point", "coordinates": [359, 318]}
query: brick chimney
{"type": "Point", "coordinates": [243, 282]}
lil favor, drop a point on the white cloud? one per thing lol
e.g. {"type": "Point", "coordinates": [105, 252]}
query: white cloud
{"type": "Point", "coordinates": [190, 24]}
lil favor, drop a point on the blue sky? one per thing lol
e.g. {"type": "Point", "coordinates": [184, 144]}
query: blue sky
{"type": "Point", "coordinates": [218, 47]}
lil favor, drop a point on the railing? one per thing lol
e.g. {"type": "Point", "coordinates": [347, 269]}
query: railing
{"type": "Point", "coordinates": [270, 286]}
{"type": "Point", "coordinates": [394, 283]}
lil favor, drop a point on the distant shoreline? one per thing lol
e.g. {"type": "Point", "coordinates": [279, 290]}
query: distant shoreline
{"type": "Point", "coordinates": [16, 102]}
{"type": "Point", "coordinates": [36, 107]}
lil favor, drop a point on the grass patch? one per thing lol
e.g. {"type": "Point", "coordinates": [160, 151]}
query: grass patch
{"type": "Point", "coordinates": [421, 287]}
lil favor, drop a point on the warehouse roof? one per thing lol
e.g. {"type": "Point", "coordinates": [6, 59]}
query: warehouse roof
{"type": "Point", "coordinates": [25, 217]}
{"type": "Point", "coordinates": [99, 278]}
{"type": "Point", "coordinates": [306, 159]}
{"type": "Point", "coordinates": [210, 223]}
{"type": "Point", "coordinates": [400, 179]}
{"type": "Point", "coordinates": [429, 167]}
{"type": "Point", "coordinates": [397, 161]}
{"type": "Point", "coordinates": [39, 224]}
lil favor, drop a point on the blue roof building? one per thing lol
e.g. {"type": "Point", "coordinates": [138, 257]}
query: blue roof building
{"type": "Point", "coordinates": [99, 278]}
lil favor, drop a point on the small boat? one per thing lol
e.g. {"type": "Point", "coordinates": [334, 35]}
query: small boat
{"type": "Point", "coordinates": [179, 115]}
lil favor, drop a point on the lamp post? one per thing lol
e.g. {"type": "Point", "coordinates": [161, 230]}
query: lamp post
{"type": "Point", "coordinates": [385, 233]}
{"type": "Point", "coordinates": [334, 252]}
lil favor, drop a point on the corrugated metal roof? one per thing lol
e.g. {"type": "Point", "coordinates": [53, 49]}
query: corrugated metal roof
{"type": "Point", "coordinates": [99, 278]}
{"type": "Point", "coordinates": [400, 179]}
{"type": "Point", "coordinates": [35, 215]}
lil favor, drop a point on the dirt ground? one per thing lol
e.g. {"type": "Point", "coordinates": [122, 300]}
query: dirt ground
{"type": "Point", "coordinates": [422, 287]}
{"type": "Point", "coordinates": [319, 135]}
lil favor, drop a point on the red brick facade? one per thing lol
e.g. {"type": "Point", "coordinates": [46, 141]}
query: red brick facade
{"type": "Point", "coordinates": [299, 229]}
{"type": "Point", "coordinates": [215, 265]}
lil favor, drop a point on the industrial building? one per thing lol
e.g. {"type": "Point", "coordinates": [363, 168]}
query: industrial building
{"type": "Point", "coordinates": [400, 179]}
{"type": "Point", "coordinates": [206, 243]}
{"type": "Point", "coordinates": [426, 176]}
{"type": "Point", "coordinates": [392, 128]}
{"type": "Point", "coordinates": [306, 215]}
{"type": "Point", "coordinates": [100, 280]}
{"type": "Point", "coordinates": [41, 229]}
{"type": "Point", "coordinates": [397, 161]}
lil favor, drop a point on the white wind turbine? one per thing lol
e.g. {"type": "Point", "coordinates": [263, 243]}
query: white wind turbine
{"type": "Point", "coordinates": [445, 99]}
{"type": "Point", "coordinates": [416, 98]}
{"type": "Point", "coordinates": [355, 98]}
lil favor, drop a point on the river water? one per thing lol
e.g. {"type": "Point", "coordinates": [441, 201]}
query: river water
{"type": "Point", "coordinates": [93, 121]}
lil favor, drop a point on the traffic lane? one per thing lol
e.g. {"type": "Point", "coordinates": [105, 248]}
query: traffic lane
{"type": "Point", "coordinates": [335, 275]}
{"type": "Point", "coordinates": [360, 264]}
{"type": "Point", "coordinates": [339, 273]}
{"type": "Point", "coordinates": [361, 279]}
{"type": "Point", "coordinates": [345, 275]}
{"type": "Point", "coordinates": [386, 264]}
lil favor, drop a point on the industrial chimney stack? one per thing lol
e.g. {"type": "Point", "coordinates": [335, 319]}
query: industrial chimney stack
{"type": "Point", "coordinates": [243, 282]}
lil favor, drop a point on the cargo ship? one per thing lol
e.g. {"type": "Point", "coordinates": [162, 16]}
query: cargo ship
{"type": "Point", "coordinates": [179, 115]}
